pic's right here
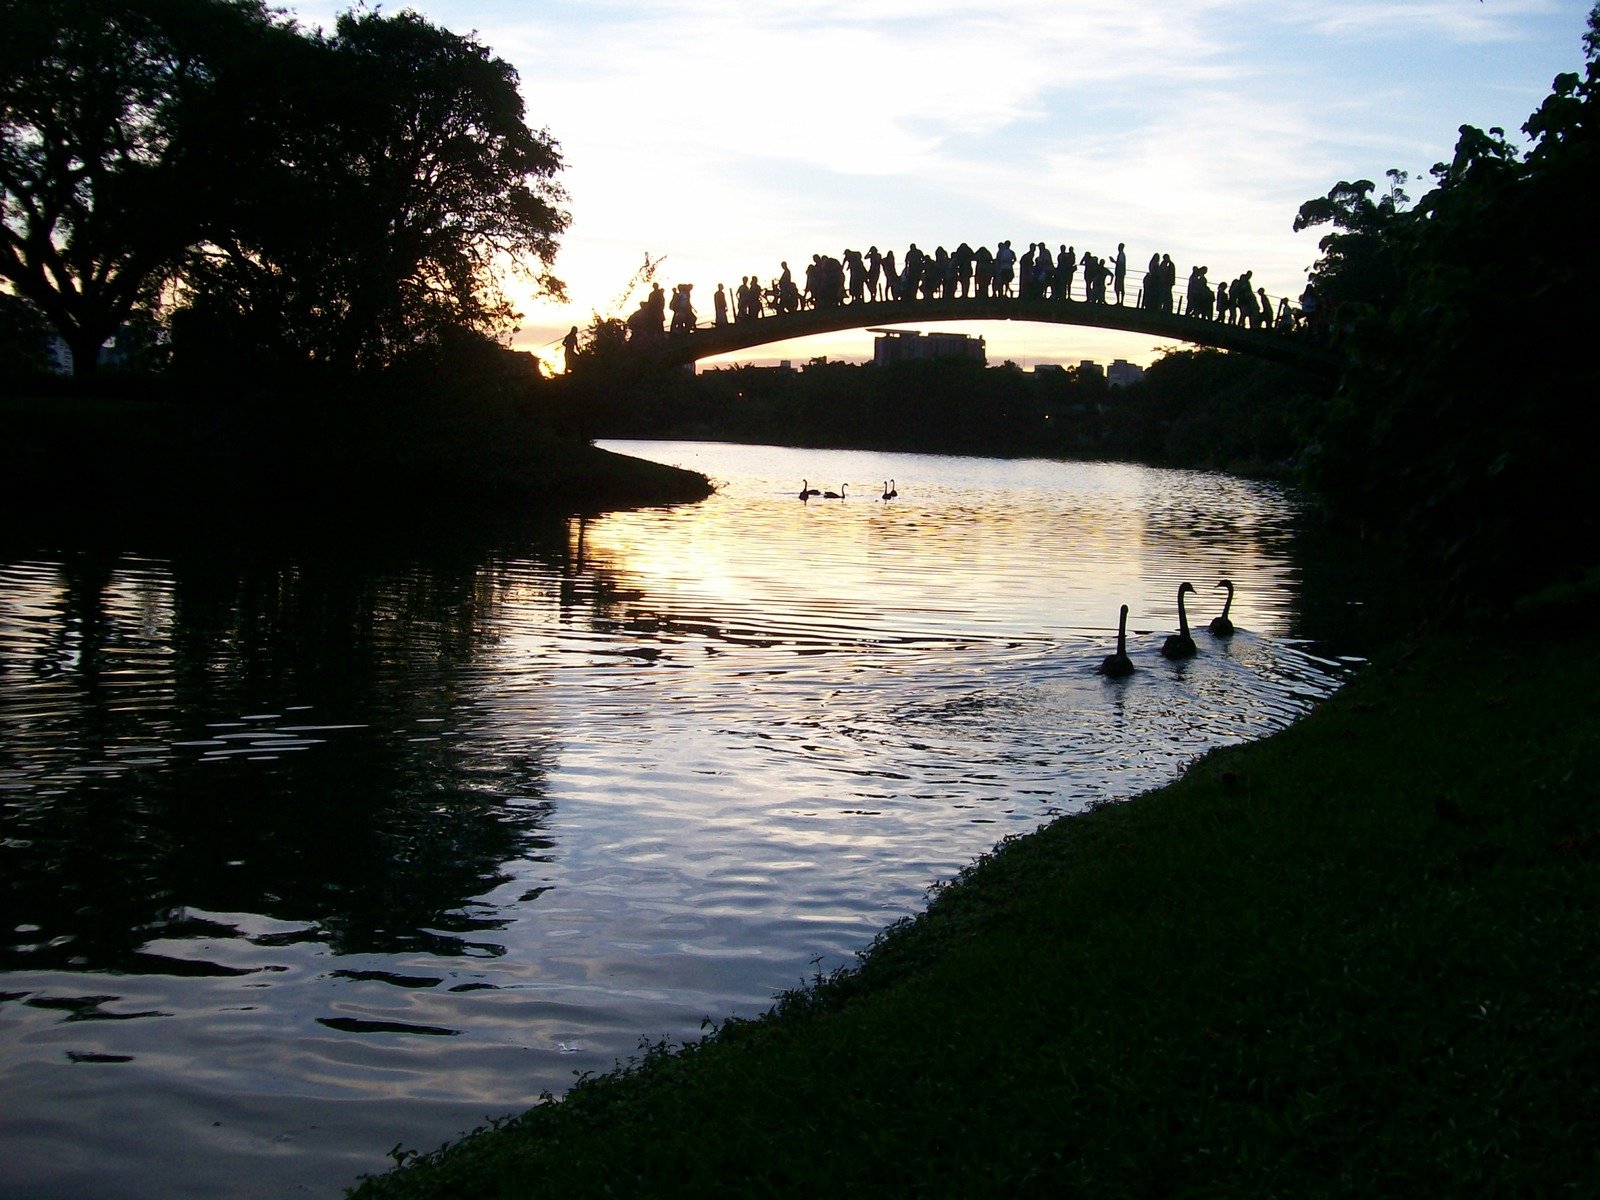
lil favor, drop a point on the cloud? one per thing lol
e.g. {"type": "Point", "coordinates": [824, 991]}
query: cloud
{"type": "Point", "coordinates": [728, 136]}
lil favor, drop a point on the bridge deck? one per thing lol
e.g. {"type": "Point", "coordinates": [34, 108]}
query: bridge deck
{"type": "Point", "coordinates": [1291, 349]}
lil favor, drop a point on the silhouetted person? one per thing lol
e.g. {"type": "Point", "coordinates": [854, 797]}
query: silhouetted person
{"type": "Point", "coordinates": [1265, 317]}
{"type": "Point", "coordinates": [641, 330]}
{"type": "Point", "coordinates": [1005, 269]}
{"type": "Point", "coordinates": [1199, 297]}
{"type": "Point", "coordinates": [856, 274]}
{"type": "Point", "coordinates": [1095, 274]}
{"type": "Point", "coordinates": [1310, 308]}
{"type": "Point", "coordinates": [891, 277]}
{"type": "Point", "coordinates": [1119, 272]}
{"type": "Point", "coordinates": [961, 258]}
{"type": "Point", "coordinates": [874, 262]}
{"type": "Point", "coordinates": [1244, 301]}
{"type": "Point", "coordinates": [569, 345]}
{"type": "Point", "coordinates": [911, 273]}
{"type": "Point", "coordinates": [1224, 303]}
{"type": "Point", "coordinates": [1169, 280]}
{"type": "Point", "coordinates": [934, 274]}
{"type": "Point", "coordinates": [983, 272]}
{"type": "Point", "coordinates": [683, 319]}
{"type": "Point", "coordinates": [719, 306]}
{"type": "Point", "coordinates": [830, 277]}
{"type": "Point", "coordinates": [1068, 262]}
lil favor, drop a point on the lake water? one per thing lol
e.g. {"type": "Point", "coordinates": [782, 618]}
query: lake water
{"type": "Point", "coordinates": [319, 842]}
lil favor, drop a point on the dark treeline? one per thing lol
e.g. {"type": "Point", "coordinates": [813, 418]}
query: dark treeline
{"type": "Point", "coordinates": [1193, 408]}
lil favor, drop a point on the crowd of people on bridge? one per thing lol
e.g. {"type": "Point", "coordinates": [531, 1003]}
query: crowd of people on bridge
{"type": "Point", "coordinates": [873, 276]}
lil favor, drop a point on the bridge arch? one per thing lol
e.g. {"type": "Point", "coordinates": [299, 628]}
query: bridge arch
{"type": "Point", "coordinates": [709, 340]}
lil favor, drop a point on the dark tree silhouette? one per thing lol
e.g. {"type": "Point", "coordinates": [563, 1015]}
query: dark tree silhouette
{"type": "Point", "coordinates": [1465, 431]}
{"type": "Point", "coordinates": [396, 184]}
{"type": "Point", "coordinates": [1357, 266]}
{"type": "Point", "coordinates": [102, 186]}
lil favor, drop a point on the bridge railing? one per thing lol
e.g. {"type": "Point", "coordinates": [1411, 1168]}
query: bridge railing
{"type": "Point", "coordinates": [1277, 318]}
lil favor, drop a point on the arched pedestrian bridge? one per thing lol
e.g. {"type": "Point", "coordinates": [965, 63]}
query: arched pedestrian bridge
{"type": "Point", "coordinates": [1292, 349]}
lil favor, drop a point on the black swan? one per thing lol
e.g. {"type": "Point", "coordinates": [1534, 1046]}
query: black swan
{"type": "Point", "coordinates": [807, 490]}
{"type": "Point", "coordinates": [1220, 626]}
{"type": "Point", "coordinates": [1117, 665]}
{"type": "Point", "coordinates": [1180, 644]}
{"type": "Point", "coordinates": [839, 495]}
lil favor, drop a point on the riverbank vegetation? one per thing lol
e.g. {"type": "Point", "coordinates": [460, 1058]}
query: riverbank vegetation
{"type": "Point", "coordinates": [1462, 437]}
{"type": "Point", "coordinates": [1354, 959]}
{"type": "Point", "coordinates": [1194, 408]}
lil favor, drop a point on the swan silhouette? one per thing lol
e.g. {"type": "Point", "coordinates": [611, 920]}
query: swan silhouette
{"type": "Point", "coordinates": [1117, 665]}
{"type": "Point", "coordinates": [1220, 626]}
{"type": "Point", "coordinates": [893, 491]}
{"type": "Point", "coordinates": [1180, 644]}
{"type": "Point", "coordinates": [807, 490]}
{"type": "Point", "coordinates": [886, 493]}
{"type": "Point", "coordinates": [839, 495]}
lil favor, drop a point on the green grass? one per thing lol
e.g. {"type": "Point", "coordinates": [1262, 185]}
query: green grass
{"type": "Point", "coordinates": [1355, 959]}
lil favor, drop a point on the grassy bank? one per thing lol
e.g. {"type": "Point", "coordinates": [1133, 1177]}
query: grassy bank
{"type": "Point", "coordinates": [1358, 958]}
{"type": "Point", "coordinates": [92, 454]}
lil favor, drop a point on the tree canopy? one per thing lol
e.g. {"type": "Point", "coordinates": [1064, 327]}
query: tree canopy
{"type": "Point", "coordinates": [101, 159]}
{"type": "Point", "coordinates": [1466, 427]}
{"type": "Point", "coordinates": [330, 198]}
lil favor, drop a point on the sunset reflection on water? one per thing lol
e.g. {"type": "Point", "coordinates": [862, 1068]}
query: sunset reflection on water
{"type": "Point", "coordinates": [316, 849]}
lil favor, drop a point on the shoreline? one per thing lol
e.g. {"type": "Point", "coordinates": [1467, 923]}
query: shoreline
{"type": "Point", "coordinates": [1353, 957]}
{"type": "Point", "coordinates": [97, 459]}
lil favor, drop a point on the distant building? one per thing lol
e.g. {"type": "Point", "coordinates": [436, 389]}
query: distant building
{"type": "Point", "coordinates": [1121, 373]}
{"type": "Point", "coordinates": [904, 345]}
{"type": "Point", "coordinates": [59, 356]}
{"type": "Point", "coordinates": [114, 353]}
{"type": "Point", "coordinates": [1089, 367]}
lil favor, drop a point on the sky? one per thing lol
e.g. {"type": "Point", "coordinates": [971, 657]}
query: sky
{"type": "Point", "coordinates": [724, 136]}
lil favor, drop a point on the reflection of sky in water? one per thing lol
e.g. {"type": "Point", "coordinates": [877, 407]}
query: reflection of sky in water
{"type": "Point", "coordinates": [309, 852]}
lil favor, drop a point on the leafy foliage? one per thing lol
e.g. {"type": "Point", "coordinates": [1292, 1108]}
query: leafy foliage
{"type": "Point", "coordinates": [1463, 433]}
{"type": "Point", "coordinates": [103, 163]}
{"type": "Point", "coordinates": [399, 186]}
{"type": "Point", "coordinates": [339, 199]}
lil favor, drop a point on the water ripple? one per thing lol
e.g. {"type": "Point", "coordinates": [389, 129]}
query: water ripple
{"type": "Point", "coordinates": [428, 830]}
